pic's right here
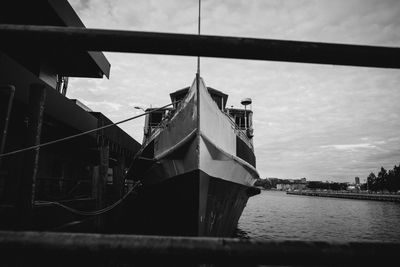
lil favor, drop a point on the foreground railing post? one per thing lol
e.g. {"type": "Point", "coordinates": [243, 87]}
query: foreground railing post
{"type": "Point", "coordinates": [72, 249]}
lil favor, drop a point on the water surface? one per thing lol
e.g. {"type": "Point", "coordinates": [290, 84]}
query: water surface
{"type": "Point", "coordinates": [274, 215]}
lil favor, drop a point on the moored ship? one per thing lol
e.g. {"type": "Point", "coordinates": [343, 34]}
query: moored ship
{"type": "Point", "coordinates": [196, 164]}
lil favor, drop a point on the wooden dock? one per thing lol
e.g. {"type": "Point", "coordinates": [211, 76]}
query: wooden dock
{"type": "Point", "coordinates": [361, 196]}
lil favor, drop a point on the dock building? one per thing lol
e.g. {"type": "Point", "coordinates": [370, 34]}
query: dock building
{"type": "Point", "coordinates": [34, 109]}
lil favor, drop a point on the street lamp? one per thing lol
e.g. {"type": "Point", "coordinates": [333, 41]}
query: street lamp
{"type": "Point", "coordinates": [137, 107]}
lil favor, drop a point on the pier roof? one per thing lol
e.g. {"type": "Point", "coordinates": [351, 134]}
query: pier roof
{"type": "Point", "coordinates": [51, 13]}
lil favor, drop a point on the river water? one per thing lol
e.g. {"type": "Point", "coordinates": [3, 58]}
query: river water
{"type": "Point", "coordinates": [274, 215]}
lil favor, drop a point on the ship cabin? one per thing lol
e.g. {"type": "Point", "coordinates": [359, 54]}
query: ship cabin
{"type": "Point", "coordinates": [154, 119]}
{"type": "Point", "coordinates": [219, 97]}
{"type": "Point", "coordinates": [241, 117]}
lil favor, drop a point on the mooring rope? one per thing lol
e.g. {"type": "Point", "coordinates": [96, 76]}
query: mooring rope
{"type": "Point", "coordinates": [91, 213]}
{"type": "Point", "coordinates": [103, 210]}
{"type": "Point", "coordinates": [73, 223]}
{"type": "Point", "coordinates": [81, 134]}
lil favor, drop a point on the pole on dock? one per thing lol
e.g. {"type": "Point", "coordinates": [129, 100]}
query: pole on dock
{"type": "Point", "coordinates": [5, 108]}
{"type": "Point", "coordinates": [37, 97]}
{"type": "Point", "coordinates": [118, 177]}
{"type": "Point", "coordinates": [104, 152]}
{"type": "Point", "coordinates": [100, 173]}
{"type": "Point", "coordinates": [6, 101]}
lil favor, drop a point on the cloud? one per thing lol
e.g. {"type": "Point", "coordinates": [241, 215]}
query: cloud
{"type": "Point", "coordinates": [385, 157]}
{"type": "Point", "coordinates": [351, 147]}
{"type": "Point", "coordinates": [105, 104]}
{"type": "Point", "coordinates": [310, 120]}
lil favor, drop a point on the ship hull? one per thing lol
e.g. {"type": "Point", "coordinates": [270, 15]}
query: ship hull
{"type": "Point", "coordinates": [191, 204]}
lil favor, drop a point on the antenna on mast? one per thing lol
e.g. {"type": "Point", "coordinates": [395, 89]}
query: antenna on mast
{"type": "Point", "coordinates": [198, 30]}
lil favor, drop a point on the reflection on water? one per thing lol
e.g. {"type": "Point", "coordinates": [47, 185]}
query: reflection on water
{"type": "Point", "coordinates": [241, 234]}
{"type": "Point", "coordinates": [274, 215]}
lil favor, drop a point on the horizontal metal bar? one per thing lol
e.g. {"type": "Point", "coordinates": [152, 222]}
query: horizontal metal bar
{"type": "Point", "coordinates": [200, 45]}
{"type": "Point", "coordinates": [52, 247]}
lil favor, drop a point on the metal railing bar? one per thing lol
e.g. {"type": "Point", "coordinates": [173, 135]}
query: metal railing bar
{"type": "Point", "coordinates": [80, 248]}
{"type": "Point", "coordinates": [200, 45]}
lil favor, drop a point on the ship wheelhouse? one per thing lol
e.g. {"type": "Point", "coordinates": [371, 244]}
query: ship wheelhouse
{"type": "Point", "coordinates": [241, 118]}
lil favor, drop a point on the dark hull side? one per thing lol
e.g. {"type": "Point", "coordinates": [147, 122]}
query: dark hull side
{"type": "Point", "coordinates": [192, 204]}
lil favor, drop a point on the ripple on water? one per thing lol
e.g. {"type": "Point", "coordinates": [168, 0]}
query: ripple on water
{"type": "Point", "coordinates": [274, 215]}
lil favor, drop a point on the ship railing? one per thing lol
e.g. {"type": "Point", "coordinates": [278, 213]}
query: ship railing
{"type": "Point", "coordinates": [152, 128]}
{"type": "Point", "coordinates": [240, 131]}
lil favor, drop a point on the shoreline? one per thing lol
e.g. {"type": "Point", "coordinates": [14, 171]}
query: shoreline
{"type": "Point", "coordinates": [360, 196]}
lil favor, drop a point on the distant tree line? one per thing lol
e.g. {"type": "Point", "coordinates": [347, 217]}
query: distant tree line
{"type": "Point", "coordinates": [328, 186]}
{"type": "Point", "coordinates": [385, 181]}
{"type": "Point", "coordinates": [271, 183]}
{"type": "Point", "coordinates": [264, 183]}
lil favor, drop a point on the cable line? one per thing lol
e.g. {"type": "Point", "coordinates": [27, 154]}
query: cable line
{"type": "Point", "coordinates": [80, 134]}
{"type": "Point", "coordinates": [91, 213]}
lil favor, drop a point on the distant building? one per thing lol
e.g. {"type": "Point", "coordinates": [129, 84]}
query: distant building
{"type": "Point", "coordinates": [351, 188]}
{"type": "Point", "coordinates": [288, 184]}
{"type": "Point", "coordinates": [292, 184]}
{"type": "Point", "coordinates": [274, 181]}
{"type": "Point", "coordinates": [282, 187]}
{"type": "Point", "coordinates": [357, 180]}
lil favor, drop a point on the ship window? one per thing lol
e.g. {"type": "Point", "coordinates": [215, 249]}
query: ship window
{"type": "Point", "coordinates": [178, 97]}
{"type": "Point", "coordinates": [240, 122]}
{"type": "Point", "coordinates": [155, 118]}
{"type": "Point", "coordinates": [217, 100]}
{"type": "Point", "coordinates": [250, 119]}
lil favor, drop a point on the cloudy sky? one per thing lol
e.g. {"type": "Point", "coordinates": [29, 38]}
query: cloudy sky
{"type": "Point", "coordinates": [322, 122]}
